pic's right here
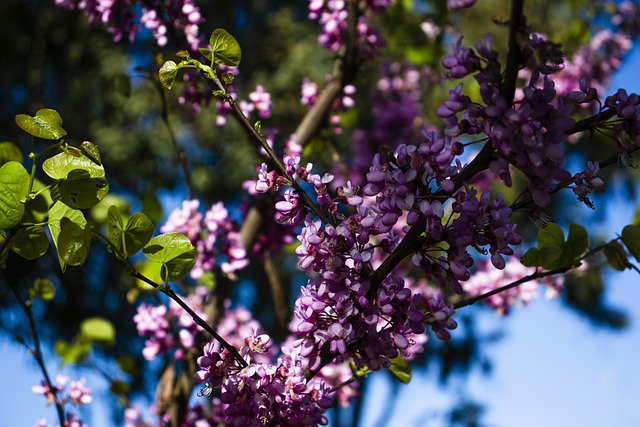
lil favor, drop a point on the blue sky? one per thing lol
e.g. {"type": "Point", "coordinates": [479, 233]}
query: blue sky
{"type": "Point", "coordinates": [552, 368]}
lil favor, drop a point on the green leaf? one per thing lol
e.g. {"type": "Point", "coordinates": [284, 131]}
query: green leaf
{"type": "Point", "coordinates": [127, 364]}
{"type": "Point", "coordinates": [56, 213]}
{"type": "Point", "coordinates": [98, 330]}
{"type": "Point", "coordinates": [551, 235]}
{"type": "Point", "coordinates": [100, 212]}
{"type": "Point", "coordinates": [43, 288]}
{"type": "Point", "coordinates": [10, 152]}
{"type": "Point", "coordinates": [133, 236]}
{"type": "Point", "coordinates": [151, 270]}
{"type": "Point", "coordinates": [206, 53]}
{"type": "Point", "coordinates": [37, 207]}
{"type": "Point", "coordinates": [225, 48]}
{"type": "Point", "coordinates": [61, 165]}
{"type": "Point", "coordinates": [530, 258]}
{"type": "Point", "coordinates": [577, 240]}
{"type": "Point", "coordinates": [46, 124]}
{"type": "Point", "coordinates": [79, 190]}
{"type": "Point", "coordinates": [631, 239]}
{"type": "Point", "coordinates": [552, 257]}
{"type": "Point", "coordinates": [74, 243]}
{"type": "Point", "coordinates": [137, 233]}
{"type": "Point", "coordinates": [90, 150]}
{"type": "Point", "coordinates": [617, 257]}
{"type": "Point", "coordinates": [14, 186]}
{"type": "Point", "coordinates": [30, 242]}
{"type": "Point", "coordinates": [75, 352]}
{"type": "Point", "coordinates": [168, 73]}
{"type": "Point", "coordinates": [400, 370]}
{"type": "Point", "coordinates": [175, 252]}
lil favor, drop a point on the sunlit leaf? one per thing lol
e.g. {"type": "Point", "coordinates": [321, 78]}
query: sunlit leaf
{"type": "Point", "coordinates": [46, 124]}
{"type": "Point", "coordinates": [98, 330]}
{"type": "Point", "coordinates": [10, 152]}
{"type": "Point", "coordinates": [400, 370]}
{"type": "Point", "coordinates": [225, 48]}
{"type": "Point", "coordinates": [74, 243]}
{"type": "Point", "coordinates": [57, 212]}
{"type": "Point", "coordinates": [43, 288]}
{"type": "Point", "coordinates": [174, 251]}
{"type": "Point", "coordinates": [14, 185]}
{"type": "Point", "coordinates": [79, 190]}
{"type": "Point", "coordinates": [61, 165]}
{"type": "Point", "coordinates": [168, 73]}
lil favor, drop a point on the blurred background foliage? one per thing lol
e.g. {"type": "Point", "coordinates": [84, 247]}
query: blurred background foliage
{"type": "Point", "coordinates": [108, 93]}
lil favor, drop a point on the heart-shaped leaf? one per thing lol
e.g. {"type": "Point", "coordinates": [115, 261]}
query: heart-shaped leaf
{"type": "Point", "coordinates": [224, 48]}
{"type": "Point", "coordinates": [59, 166]}
{"type": "Point", "coordinates": [175, 252]}
{"type": "Point", "coordinates": [30, 242]}
{"type": "Point", "coordinates": [56, 214]}
{"type": "Point", "coordinates": [14, 186]}
{"type": "Point", "coordinates": [79, 190]}
{"type": "Point", "coordinates": [74, 243]}
{"type": "Point", "coordinates": [10, 152]}
{"type": "Point", "coordinates": [46, 124]}
{"type": "Point", "coordinates": [98, 330]}
{"type": "Point", "coordinates": [133, 236]}
{"type": "Point", "coordinates": [168, 73]}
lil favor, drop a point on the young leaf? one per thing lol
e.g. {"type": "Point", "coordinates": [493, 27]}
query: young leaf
{"type": "Point", "coordinates": [30, 242]}
{"type": "Point", "coordinates": [551, 235]}
{"type": "Point", "coordinates": [14, 185]}
{"type": "Point", "coordinates": [631, 239]}
{"type": "Point", "coordinates": [46, 124]}
{"type": "Point", "coordinates": [206, 53]}
{"type": "Point", "coordinates": [133, 236]}
{"type": "Point", "coordinates": [530, 258]}
{"type": "Point", "coordinates": [137, 233]}
{"type": "Point", "coordinates": [617, 257]}
{"type": "Point", "coordinates": [79, 190]}
{"type": "Point", "coordinates": [74, 243]}
{"type": "Point", "coordinates": [42, 288]}
{"type": "Point", "coordinates": [225, 48]}
{"type": "Point", "coordinates": [75, 352]}
{"type": "Point", "coordinates": [56, 213]}
{"type": "Point", "coordinates": [168, 73]}
{"type": "Point", "coordinates": [577, 240]}
{"type": "Point", "coordinates": [98, 330]}
{"type": "Point", "coordinates": [61, 165]}
{"type": "Point", "coordinates": [400, 370]}
{"type": "Point", "coordinates": [10, 152]}
{"type": "Point", "coordinates": [90, 150]}
{"type": "Point", "coordinates": [174, 251]}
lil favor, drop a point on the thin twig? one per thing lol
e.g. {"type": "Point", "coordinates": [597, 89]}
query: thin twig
{"type": "Point", "coordinates": [36, 352]}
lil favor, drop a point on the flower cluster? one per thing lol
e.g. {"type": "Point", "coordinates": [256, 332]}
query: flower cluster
{"type": "Point", "coordinates": [75, 392]}
{"type": "Point", "coordinates": [166, 329]}
{"type": "Point", "coordinates": [529, 135]}
{"type": "Point", "coordinates": [214, 234]}
{"type": "Point", "coordinates": [486, 279]}
{"type": "Point", "coordinates": [121, 20]}
{"type": "Point", "coordinates": [263, 393]}
{"type": "Point", "coordinates": [333, 16]}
